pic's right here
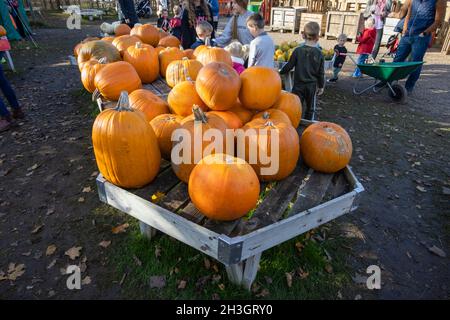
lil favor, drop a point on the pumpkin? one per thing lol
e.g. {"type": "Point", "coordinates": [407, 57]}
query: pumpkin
{"type": "Point", "coordinates": [223, 187]}
{"type": "Point", "coordinates": [183, 97]}
{"type": "Point", "coordinates": [200, 121]}
{"type": "Point", "coordinates": [231, 119]}
{"type": "Point", "coordinates": [273, 114]}
{"type": "Point", "coordinates": [144, 59]}
{"type": "Point", "coordinates": [261, 88]}
{"type": "Point", "coordinates": [89, 71]}
{"type": "Point", "coordinates": [283, 159]}
{"type": "Point", "coordinates": [198, 49]}
{"type": "Point", "coordinates": [189, 53]}
{"type": "Point", "coordinates": [166, 56]}
{"type": "Point", "coordinates": [77, 48]}
{"type": "Point", "coordinates": [326, 147]}
{"type": "Point", "coordinates": [97, 49]}
{"type": "Point", "coordinates": [148, 103]}
{"type": "Point", "coordinates": [290, 104]}
{"type": "Point", "coordinates": [169, 41]}
{"type": "Point", "coordinates": [147, 33]}
{"type": "Point", "coordinates": [125, 146]}
{"type": "Point", "coordinates": [123, 42]}
{"type": "Point", "coordinates": [116, 77]}
{"type": "Point", "coordinates": [159, 49]}
{"type": "Point", "coordinates": [109, 39]}
{"type": "Point", "coordinates": [218, 85]}
{"type": "Point", "coordinates": [2, 31]}
{"type": "Point", "coordinates": [162, 34]}
{"type": "Point", "coordinates": [244, 115]}
{"type": "Point", "coordinates": [214, 54]}
{"type": "Point", "coordinates": [164, 125]}
{"type": "Point", "coordinates": [182, 70]}
{"type": "Point", "coordinates": [122, 29]}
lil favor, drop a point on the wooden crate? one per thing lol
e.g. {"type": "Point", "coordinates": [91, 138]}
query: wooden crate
{"type": "Point", "coordinates": [286, 18]}
{"type": "Point", "coordinates": [344, 22]}
{"type": "Point", "coordinates": [320, 18]}
{"type": "Point", "coordinates": [303, 201]}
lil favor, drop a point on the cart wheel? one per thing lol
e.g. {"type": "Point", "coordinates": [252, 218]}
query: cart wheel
{"type": "Point", "coordinates": [400, 93]}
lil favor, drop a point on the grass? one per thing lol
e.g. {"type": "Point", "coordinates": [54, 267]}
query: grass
{"type": "Point", "coordinates": [134, 260]}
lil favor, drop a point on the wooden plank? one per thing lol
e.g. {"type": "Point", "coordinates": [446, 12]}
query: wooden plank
{"type": "Point", "coordinates": [338, 186]}
{"type": "Point", "coordinates": [175, 198]}
{"type": "Point", "coordinates": [163, 182]}
{"type": "Point", "coordinates": [151, 88]}
{"type": "Point", "coordinates": [283, 230]}
{"type": "Point", "coordinates": [191, 213]}
{"type": "Point", "coordinates": [162, 219]}
{"type": "Point", "coordinates": [161, 86]}
{"type": "Point", "coordinates": [250, 271]}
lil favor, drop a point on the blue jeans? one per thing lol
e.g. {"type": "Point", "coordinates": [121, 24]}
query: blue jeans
{"type": "Point", "coordinates": [416, 46]}
{"type": "Point", "coordinates": [361, 59]}
{"type": "Point", "coordinates": [8, 92]}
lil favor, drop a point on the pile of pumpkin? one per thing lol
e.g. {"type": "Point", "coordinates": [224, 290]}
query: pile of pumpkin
{"type": "Point", "coordinates": [130, 140]}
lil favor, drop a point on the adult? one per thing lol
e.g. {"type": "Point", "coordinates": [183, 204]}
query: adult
{"type": "Point", "coordinates": [379, 10]}
{"type": "Point", "coordinates": [194, 12]}
{"type": "Point", "coordinates": [129, 12]}
{"type": "Point", "coordinates": [6, 119]}
{"type": "Point", "coordinates": [236, 28]}
{"type": "Point", "coordinates": [214, 4]}
{"type": "Point", "coordinates": [423, 17]}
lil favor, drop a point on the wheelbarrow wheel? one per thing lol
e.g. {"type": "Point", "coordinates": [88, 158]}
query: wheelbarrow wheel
{"type": "Point", "coordinates": [399, 95]}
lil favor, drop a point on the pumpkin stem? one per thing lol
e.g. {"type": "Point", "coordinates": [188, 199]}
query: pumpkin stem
{"type": "Point", "coordinates": [199, 115]}
{"type": "Point", "coordinates": [269, 124]}
{"type": "Point", "coordinates": [138, 45]}
{"type": "Point", "coordinates": [95, 95]}
{"type": "Point", "coordinates": [208, 41]}
{"type": "Point", "coordinates": [103, 60]}
{"type": "Point", "coordinates": [124, 103]}
{"type": "Point", "coordinates": [266, 115]}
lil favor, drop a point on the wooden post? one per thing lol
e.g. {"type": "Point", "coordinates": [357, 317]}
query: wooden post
{"type": "Point", "coordinates": [235, 273]}
{"type": "Point", "coordinates": [147, 231]}
{"type": "Point", "coordinates": [251, 269]}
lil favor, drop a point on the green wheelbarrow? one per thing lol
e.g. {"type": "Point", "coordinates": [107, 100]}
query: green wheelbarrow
{"type": "Point", "coordinates": [387, 75]}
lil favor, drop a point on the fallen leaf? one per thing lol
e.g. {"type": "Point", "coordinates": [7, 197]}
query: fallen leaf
{"type": "Point", "coordinates": [215, 268]}
{"type": "Point", "coordinates": [329, 268]}
{"type": "Point", "coordinates": [50, 250]}
{"type": "Point", "coordinates": [15, 271]}
{"type": "Point", "coordinates": [105, 244]}
{"type": "Point", "coordinates": [221, 286]}
{"type": "Point", "coordinates": [421, 189]}
{"type": "Point", "coordinates": [33, 167]}
{"type": "Point", "coordinates": [80, 199]}
{"type": "Point", "coordinates": [50, 211]}
{"type": "Point", "coordinates": [263, 293]}
{"type": "Point", "coordinates": [157, 252]}
{"type": "Point", "coordinates": [73, 252]}
{"type": "Point", "coordinates": [182, 285]}
{"type": "Point", "coordinates": [289, 279]}
{"type": "Point", "coordinates": [94, 174]}
{"type": "Point", "coordinates": [157, 196]}
{"type": "Point", "coordinates": [86, 189]}
{"type": "Point", "coordinates": [26, 254]}
{"type": "Point", "coordinates": [302, 274]}
{"type": "Point", "coordinates": [438, 251]}
{"type": "Point", "coordinates": [51, 264]}
{"type": "Point", "coordinates": [137, 261]}
{"type": "Point", "coordinates": [37, 229]}
{"type": "Point", "coordinates": [446, 191]}
{"type": "Point", "coordinates": [120, 229]}
{"type": "Point", "coordinates": [207, 263]}
{"type": "Point", "coordinates": [86, 280]}
{"type": "Point", "coordinates": [157, 282]}
{"type": "Point", "coordinates": [299, 246]}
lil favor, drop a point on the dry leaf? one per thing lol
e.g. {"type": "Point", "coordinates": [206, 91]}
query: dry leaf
{"type": "Point", "coordinates": [182, 285]}
{"type": "Point", "coordinates": [33, 167]}
{"type": "Point", "coordinates": [120, 229]}
{"type": "Point", "coordinates": [15, 271]}
{"type": "Point", "coordinates": [421, 189]}
{"type": "Point", "coordinates": [37, 229]}
{"type": "Point", "coordinates": [94, 174]}
{"type": "Point", "coordinates": [438, 251]}
{"type": "Point", "coordinates": [50, 250]}
{"type": "Point", "coordinates": [215, 268]}
{"type": "Point", "coordinates": [221, 286]}
{"type": "Point", "coordinates": [51, 264]}
{"type": "Point", "coordinates": [73, 252]}
{"type": "Point", "coordinates": [207, 263]}
{"type": "Point", "coordinates": [86, 189]}
{"type": "Point", "coordinates": [299, 246]}
{"type": "Point", "coordinates": [289, 279]}
{"type": "Point", "coordinates": [303, 274]}
{"type": "Point", "coordinates": [329, 268]}
{"type": "Point", "coordinates": [80, 199]}
{"type": "Point", "coordinates": [157, 196]}
{"type": "Point", "coordinates": [105, 244]}
{"type": "Point", "coordinates": [137, 261]}
{"type": "Point", "coordinates": [263, 293]}
{"type": "Point", "coordinates": [157, 282]}
{"type": "Point", "coordinates": [26, 254]}
{"type": "Point", "coordinates": [86, 280]}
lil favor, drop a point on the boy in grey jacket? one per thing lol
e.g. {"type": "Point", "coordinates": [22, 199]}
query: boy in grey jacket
{"type": "Point", "coordinates": [262, 47]}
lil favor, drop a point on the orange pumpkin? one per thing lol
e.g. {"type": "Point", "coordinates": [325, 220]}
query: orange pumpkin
{"type": "Point", "coordinates": [144, 59]}
{"type": "Point", "coordinates": [189, 53]}
{"type": "Point", "coordinates": [182, 70]}
{"type": "Point", "coordinates": [183, 97]}
{"type": "Point", "coordinates": [273, 114]}
{"type": "Point", "coordinates": [283, 159]}
{"type": "Point", "coordinates": [164, 125]}
{"type": "Point", "coordinates": [169, 41]}
{"type": "Point", "coordinates": [148, 103]}
{"type": "Point", "coordinates": [162, 34]}
{"type": "Point", "coordinates": [166, 56]}
{"type": "Point", "coordinates": [2, 31]}
{"type": "Point", "coordinates": [261, 88]}
{"type": "Point", "coordinates": [125, 146]}
{"type": "Point", "coordinates": [123, 42]}
{"type": "Point", "coordinates": [223, 187]}
{"type": "Point", "coordinates": [116, 77]}
{"type": "Point", "coordinates": [214, 54]}
{"type": "Point", "coordinates": [147, 33]}
{"type": "Point", "coordinates": [290, 104]}
{"type": "Point", "coordinates": [218, 85]}
{"type": "Point", "coordinates": [244, 115]}
{"type": "Point", "coordinates": [203, 122]}
{"type": "Point", "coordinates": [159, 49]}
{"type": "Point", "coordinates": [231, 119]}
{"type": "Point", "coordinates": [109, 39]}
{"type": "Point", "coordinates": [97, 49]}
{"type": "Point", "coordinates": [122, 29]}
{"type": "Point", "coordinates": [77, 48]}
{"type": "Point", "coordinates": [326, 147]}
{"type": "Point", "coordinates": [89, 71]}
{"type": "Point", "coordinates": [198, 49]}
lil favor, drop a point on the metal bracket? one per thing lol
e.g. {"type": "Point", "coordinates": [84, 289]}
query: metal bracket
{"type": "Point", "coordinates": [229, 252]}
{"type": "Point", "coordinates": [101, 188]}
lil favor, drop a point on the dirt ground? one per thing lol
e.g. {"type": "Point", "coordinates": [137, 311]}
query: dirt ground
{"type": "Point", "coordinates": [48, 192]}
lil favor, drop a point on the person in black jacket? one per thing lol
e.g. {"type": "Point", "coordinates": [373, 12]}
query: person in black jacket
{"type": "Point", "coordinates": [196, 11]}
{"type": "Point", "coordinates": [341, 53]}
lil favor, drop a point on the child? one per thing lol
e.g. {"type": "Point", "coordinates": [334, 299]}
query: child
{"type": "Point", "coordinates": [163, 20]}
{"type": "Point", "coordinates": [341, 53]}
{"type": "Point", "coordinates": [238, 54]}
{"type": "Point", "coordinates": [366, 41]}
{"type": "Point", "coordinates": [309, 69]}
{"type": "Point", "coordinates": [204, 30]}
{"type": "Point", "coordinates": [175, 22]}
{"type": "Point", "coordinates": [6, 119]}
{"type": "Point", "coordinates": [262, 47]}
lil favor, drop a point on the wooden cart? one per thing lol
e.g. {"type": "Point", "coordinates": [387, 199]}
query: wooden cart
{"type": "Point", "coordinates": [303, 201]}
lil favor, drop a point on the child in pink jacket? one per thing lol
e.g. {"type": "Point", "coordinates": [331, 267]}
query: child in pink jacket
{"type": "Point", "coordinates": [238, 54]}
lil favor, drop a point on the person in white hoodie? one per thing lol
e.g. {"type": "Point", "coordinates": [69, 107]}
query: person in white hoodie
{"type": "Point", "coordinates": [236, 28]}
